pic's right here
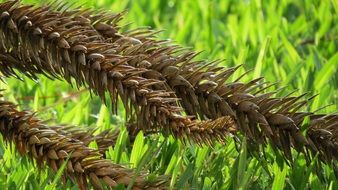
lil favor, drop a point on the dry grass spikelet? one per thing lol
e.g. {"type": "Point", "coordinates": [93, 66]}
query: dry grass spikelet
{"type": "Point", "coordinates": [205, 90]}
{"type": "Point", "coordinates": [157, 80]}
{"type": "Point", "coordinates": [104, 140]}
{"type": "Point", "coordinates": [53, 147]}
{"type": "Point", "coordinates": [45, 41]}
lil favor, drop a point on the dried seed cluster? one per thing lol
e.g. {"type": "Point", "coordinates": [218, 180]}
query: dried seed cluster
{"type": "Point", "coordinates": [104, 140]}
{"type": "Point", "coordinates": [157, 81]}
{"type": "Point", "coordinates": [53, 145]}
{"type": "Point", "coordinates": [63, 44]}
{"type": "Point", "coordinates": [204, 90]}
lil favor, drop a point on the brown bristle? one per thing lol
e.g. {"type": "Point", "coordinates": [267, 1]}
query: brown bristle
{"type": "Point", "coordinates": [54, 145]}
{"type": "Point", "coordinates": [55, 44]}
{"type": "Point", "coordinates": [163, 88]}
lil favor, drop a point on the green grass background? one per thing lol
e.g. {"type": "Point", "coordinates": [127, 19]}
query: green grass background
{"type": "Point", "coordinates": [292, 42]}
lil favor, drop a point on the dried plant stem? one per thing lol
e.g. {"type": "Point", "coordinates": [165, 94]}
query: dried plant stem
{"type": "Point", "coordinates": [152, 75]}
{"type": "Point", "coordinates": [204, 91]}
{"type": "Point", "coordinates": [48, 146]}
{"type": "Point", "coordinates": [201, 86]}
{"type": "Point", "coordinates": [104, 140]}
{"type": "Point", "coordinates": [45, 41]}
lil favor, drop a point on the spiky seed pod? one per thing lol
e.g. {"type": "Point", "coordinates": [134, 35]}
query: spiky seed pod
{"type": "Point", "coordinates": [323, 135]}
{"type": "Point", "coordinates": [59, 45]}
{"type": "Point", "coordinates": [202, 85]}
{"type": "Point", "coordinates": [203, 90]}
{"type": "Point", "coordinates": [198, 132]}
{"type": "Point", "coordinates": [47, 146]}
{"type": "Point", "coordinates": [104, 140]}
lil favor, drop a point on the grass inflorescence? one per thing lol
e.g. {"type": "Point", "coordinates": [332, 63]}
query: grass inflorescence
{"type": "Point", "coordinates": [167, 89]}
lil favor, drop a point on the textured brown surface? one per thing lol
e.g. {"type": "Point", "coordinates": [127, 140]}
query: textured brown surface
{"type": "Point", "coordinates": [44, 41]}
{"type": "Point", "coordinates": [104, 140]}
{"type": "Point", "coordinates": [203, 87]}
{"type": "Point", "coordinates": [157, 81]}
{"type": "Point", "coordinates": [53, 145]}
{"type": "Point", "coordinates": [205, 90]}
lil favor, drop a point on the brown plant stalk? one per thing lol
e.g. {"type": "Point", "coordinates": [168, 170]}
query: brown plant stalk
{"type": "Point", "coordinates": [54, 145]}
{"type": "Point", "coordinates": [45, 41]}
{"type": "Point", "coordinates": [104, 140]}
{"type": "Point", "coordinates": [202, 88]}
